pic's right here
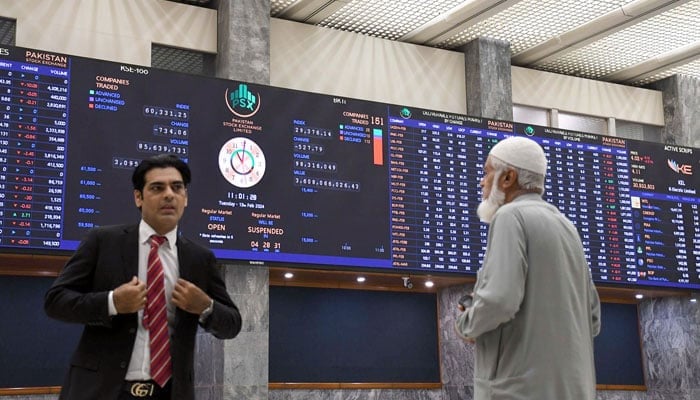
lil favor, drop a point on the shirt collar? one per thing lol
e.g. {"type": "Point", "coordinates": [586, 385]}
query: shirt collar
{"type": "Point", "coordinates": [145, 232]}
{"type": "Point", "coordinates": [524, 196]}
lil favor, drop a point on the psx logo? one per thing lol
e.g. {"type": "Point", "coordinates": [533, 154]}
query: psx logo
{"type": "Point", "coordinates": [242, 102]}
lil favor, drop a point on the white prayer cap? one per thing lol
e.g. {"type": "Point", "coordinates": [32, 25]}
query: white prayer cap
{"type": "Point", "coordinates": [521, 152]}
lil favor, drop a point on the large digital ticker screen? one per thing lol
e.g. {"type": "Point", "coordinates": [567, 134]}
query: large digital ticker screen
{"type": "Point", "coordinates": [284, 176]}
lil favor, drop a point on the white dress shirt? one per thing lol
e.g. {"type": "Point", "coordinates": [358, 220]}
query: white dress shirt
{"type": "Point", "coordinates": [140, 365]}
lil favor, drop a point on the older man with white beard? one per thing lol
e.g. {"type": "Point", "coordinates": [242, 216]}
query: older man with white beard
{"type": "Point", "coordinates": [535, 310]}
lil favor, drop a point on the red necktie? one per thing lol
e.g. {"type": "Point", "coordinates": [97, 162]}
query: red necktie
{"type": "Point", "coordinates": [155, 316]}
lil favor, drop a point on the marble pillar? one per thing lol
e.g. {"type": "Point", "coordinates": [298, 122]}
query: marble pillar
{"type": "Point", "coordinates": [670, 329]}
{"type": "Point", "coordinates": [489, 95]}
{"type": "Point", "coordinates": [670, 334]}
{"type": "Point", "coordinates": [243, 49]}
{"type": "Point", "coordinates": [681, 101]}
{"type": "Point", "coordinates": [488, 79]}
{"type": "Point", "coordinates": [456, 355]}
{"type": "Point", "coordinates": [238, 369]}
{"type": "Point", "coordinates": [245, 358]}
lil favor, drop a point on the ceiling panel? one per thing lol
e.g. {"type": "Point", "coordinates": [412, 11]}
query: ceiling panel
{"type": "Point", "coordinates": [689, 69]}
{"type": "Point", "coordinates": [649, 39]}
{"type": "Point", "coordinates": [626, 41]}
{"type": "Point", "coordinates": [530, 22]}
{"type": "Point", "coordinates": [387, 19]}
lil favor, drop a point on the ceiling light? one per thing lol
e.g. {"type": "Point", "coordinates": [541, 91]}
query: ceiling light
{"type": "Point", "coordinates": [429, 284]}
{"type": "Point", "coordinates": [288, 275]}
{"type": "Point", "coordinates": [360, 279]}
{"type": "Point", "coordinates": [638, 296]}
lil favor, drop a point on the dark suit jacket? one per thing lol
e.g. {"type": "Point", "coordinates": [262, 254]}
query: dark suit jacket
{"type": "Point", "coordinates": [105, 259]}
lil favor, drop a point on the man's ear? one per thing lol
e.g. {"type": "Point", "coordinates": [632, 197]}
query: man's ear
{"type": "Point", "coordinates": [509, 178]}
{"type": "Point", "coordinates": [138, 198]}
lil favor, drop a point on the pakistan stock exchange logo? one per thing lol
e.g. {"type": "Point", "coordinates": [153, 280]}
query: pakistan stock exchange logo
{"type": "Point", "coordinates": [242, 102]}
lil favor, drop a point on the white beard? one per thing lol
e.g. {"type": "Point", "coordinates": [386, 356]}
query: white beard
{"type": "Point", "coordinates": [488, 207]}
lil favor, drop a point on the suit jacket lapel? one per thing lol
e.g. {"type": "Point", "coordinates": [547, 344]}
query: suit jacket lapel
{"type": "Point", "coordinates": [130, 257]}
{"type": "Point", "coordinates": [184, 259]}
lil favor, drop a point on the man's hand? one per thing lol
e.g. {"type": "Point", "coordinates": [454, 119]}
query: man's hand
{"type": "Point", "coordinates": [130, 297]}
{"type": "Point", "coordinates": [466, 339]}
{"type": "Point", "coordinates": [189, 297]}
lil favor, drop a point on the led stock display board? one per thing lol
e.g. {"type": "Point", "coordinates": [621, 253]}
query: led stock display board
{"type": "Point", "coordinates": [284, 176]}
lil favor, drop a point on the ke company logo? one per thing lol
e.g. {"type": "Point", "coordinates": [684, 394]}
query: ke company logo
{"type": "Point", "coordinates": [684, 169]}
{"type": "Point", "coordinates": [242, 102]}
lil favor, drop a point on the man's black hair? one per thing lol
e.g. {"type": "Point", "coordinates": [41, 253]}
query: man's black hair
{"type": "Point", "coordinates": [138, 179]}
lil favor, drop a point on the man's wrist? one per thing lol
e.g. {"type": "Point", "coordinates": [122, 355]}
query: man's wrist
{"type": "Point", "coordinates": [111, 307]}
{"type": "Point", "coordinates": [207, 311]}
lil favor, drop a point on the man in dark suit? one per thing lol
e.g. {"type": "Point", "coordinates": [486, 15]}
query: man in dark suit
{"type": "Point", "coordinates": [104, 286]}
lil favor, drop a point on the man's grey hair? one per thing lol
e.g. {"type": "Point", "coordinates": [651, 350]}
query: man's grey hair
{"type": "Point", "coordinates": [526, 179]}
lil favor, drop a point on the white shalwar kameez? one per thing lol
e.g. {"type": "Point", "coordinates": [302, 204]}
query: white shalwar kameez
{"type": "Point", "coordinates": [535, 310]}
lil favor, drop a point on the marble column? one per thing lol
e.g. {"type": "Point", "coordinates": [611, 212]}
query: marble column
{"type": "Point", "coordinates": [238, 369]}
{"type": "Point", "coordinates": [243, 49]}
{"type": "Point", "coordinates": [681, 100]}
{"type": "Point", "coordinates": [488, 79]}
{"type": "Point", "coordinates": [245, 358]}
{"type": "Point", "coordinates": [456, 355]}
{"type": "Point", "coordinates": [670, 329]}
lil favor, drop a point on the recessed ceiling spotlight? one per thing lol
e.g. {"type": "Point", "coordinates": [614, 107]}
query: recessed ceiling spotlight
{"type": "Point", "coordinates": [361, 279]}
{"type": "Point", "coordinates": [638, 296]}
{"type": "Point", "coordinates": [429, 284]}
{"type": "Point", "coordinates": [288, 275]}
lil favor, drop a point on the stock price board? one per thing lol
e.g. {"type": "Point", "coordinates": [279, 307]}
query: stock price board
{"type": "Point", "coordinates": [284, 176]}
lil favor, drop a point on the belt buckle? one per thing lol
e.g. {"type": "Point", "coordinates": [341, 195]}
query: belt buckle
{"type": "Point", "coordinates": [142, 389]}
